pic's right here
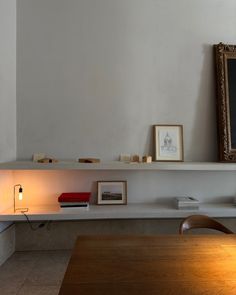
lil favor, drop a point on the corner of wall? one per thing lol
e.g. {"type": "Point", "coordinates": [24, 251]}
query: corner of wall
{"type": "Point", "coordinates": [8, 114]}
{"type": "Point", "coordinates": [7, 229]}
{"type": "Point", "coordinates": [7, 243]}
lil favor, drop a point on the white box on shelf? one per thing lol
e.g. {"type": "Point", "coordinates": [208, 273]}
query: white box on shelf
{"type": "Point", "coordinates": [188, 203]}
{"type": "Point", "coordinates": [73, 209]}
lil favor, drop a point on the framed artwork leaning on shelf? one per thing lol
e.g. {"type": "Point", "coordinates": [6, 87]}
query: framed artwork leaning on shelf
{"type": "Point", "coordinates": [168, 143]}
{"type": "Point", "coordinates": [112, 192]}
{"type": "Point", "coordinates": [225, 65]}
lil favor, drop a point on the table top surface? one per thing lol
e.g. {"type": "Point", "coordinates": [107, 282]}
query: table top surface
{"type": "Point", "coordinates": [167, 264]}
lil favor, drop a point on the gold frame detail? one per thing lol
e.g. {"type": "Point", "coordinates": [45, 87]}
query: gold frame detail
{"type": "Point", "coordinates": [223, 52]}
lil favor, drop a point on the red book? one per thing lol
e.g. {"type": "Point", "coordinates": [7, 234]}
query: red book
{"type": "Point", "coordinates": [74, 197]}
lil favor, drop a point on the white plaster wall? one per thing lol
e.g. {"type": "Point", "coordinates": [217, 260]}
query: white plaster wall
{"type": "Point", "coordinates": [7, 99]}
{"type": "Point", "coordinates": [93, 76]}
{"type": "Point", "coordinates": [7, 80]}
{"type": "Point", "coordinates": [7, 243]}
{"type": "Point", "coordinates": [7, 117]}
{"type": "Point", "coordinates": [44, 187]}
{"type": "Point", "coordinates": [6, 195]}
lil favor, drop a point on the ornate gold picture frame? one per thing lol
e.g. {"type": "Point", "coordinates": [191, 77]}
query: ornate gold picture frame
{"type": "Point", "coordinates": [225, 61]}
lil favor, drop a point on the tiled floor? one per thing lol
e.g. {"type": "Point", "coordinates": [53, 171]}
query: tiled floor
{"type": "Point", "coordinates": [33, 273]}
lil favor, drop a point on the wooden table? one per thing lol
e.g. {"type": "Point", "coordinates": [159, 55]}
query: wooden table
{"type": "Point", "coordinates": [168, 264]}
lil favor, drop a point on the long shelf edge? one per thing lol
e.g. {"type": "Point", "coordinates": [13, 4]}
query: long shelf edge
{"type": "Point", "coordinates": [132, 211]}
{"type": "Point", "coordinates": [116, 165]}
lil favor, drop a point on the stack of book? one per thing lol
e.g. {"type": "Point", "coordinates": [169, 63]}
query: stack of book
{"type": "Point", "coordinates": [234, 201]}
{"type": "Point", "coordinates": [74, 201]}
{"type": "Point", "coordinates": [186, 203]}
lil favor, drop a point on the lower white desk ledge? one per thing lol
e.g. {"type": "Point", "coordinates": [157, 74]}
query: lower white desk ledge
{"type": "Point", "coordinates": [130, 211]}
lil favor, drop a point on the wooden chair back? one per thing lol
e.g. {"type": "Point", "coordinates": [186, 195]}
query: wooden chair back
{"type": "Point", "coordinates": [202, 221]}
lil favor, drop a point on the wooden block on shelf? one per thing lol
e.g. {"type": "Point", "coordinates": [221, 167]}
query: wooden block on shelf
{"type": "Point", "coordinates": [47, 160]}
{"type": "Point", "coordinates": [147, 159]}
{"type": "Point", "coordinates": [135, 159]}
{"type": "Point", "coordinates": [38, 156]}
{"type": "Point", "coordinates": [89, 160]}
{"type": "Point", "coordinates": [125, 158]}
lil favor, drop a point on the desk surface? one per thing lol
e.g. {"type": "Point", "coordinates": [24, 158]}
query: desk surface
{"type": "Point", "coordinates": [168, 264]}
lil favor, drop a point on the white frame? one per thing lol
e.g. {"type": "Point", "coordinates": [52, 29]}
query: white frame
{"type": "Point", "coordinates": [120, 185]}
{"type": "Point", "coordinates": [168, 143]}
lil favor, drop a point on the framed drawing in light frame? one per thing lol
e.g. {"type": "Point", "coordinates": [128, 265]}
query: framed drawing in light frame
{"type": "Point", "coordinates": [112, 192]}
{"type": "Point", "coordinates": [168, 143]}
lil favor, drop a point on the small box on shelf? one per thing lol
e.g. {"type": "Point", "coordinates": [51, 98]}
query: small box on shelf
{"type": "Point", "coordinates": [186, 203]}
{"type": "Point", "coordinates": [234, 201]}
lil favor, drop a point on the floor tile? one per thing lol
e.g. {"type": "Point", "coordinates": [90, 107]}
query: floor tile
{"type": "Point", "coordinates": [15, 270]}
{"type": "Point", "coordinates": [9, 289]}
{"type": "Point", "coordinates": [34, 272]}
{"type": "Point", "coordinates": [38, 290]}
{"type": "Point", "coordinates": [49, 269]}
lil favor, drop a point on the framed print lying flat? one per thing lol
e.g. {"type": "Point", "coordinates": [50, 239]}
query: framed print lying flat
{"type": "Point", "coordinates": [112, 193]}
{"type": "Point", "coordinates": [168, 142]}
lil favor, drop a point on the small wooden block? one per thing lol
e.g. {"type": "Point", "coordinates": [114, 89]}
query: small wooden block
{"type": "Point", "coordinates": [147, 159]}
{"type": "Point", "coordinates": [89, 160]}
{"type": "Point", "coordinates": [135, 158]}
{"type": "Point", "coordinates": [47, 160]}
{"type": "Point", "coordinates": [125, 158]}
{"type": "Point", "coordinates": [38, 156]}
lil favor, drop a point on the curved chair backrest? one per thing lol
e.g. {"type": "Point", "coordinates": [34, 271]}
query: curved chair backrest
{"type": "Point", "coordinates": [202, 221]}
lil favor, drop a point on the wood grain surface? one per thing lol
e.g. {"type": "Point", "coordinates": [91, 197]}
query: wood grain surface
{"type": "Point", "coordinates": [168, 264]}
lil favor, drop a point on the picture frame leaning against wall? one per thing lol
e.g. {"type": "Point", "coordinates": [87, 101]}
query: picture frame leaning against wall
{"type": "Point", "coordinates": [225, 74]}
{"type": "Point", "coordinates": [168, 143]}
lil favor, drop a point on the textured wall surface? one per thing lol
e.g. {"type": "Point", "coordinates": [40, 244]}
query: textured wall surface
{"type": "Point", "coordinates": [7, 80]}
{"type": "Point", "coordinates": [62, 235]}
{"type": "Point", "coordinates": [93, 76]}
{"type": "Point", "coordinates": [7, 117]}
{"type": "Point", "coordinates": [44, 187]}
{"type": "Point", "coordinates": [7, 243]}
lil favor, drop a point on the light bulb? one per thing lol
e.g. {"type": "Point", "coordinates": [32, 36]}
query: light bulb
{"type": "Point", "coordinates": [20, 196]}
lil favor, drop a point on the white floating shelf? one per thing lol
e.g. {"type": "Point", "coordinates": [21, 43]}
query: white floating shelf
{"type": "Point", "coordinates": [130, 211]}
{"type": "Point", "coordinates": [116, 165]}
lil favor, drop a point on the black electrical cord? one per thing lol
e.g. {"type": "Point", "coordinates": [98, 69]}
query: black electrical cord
{"type": "Point", "coordinates": [30, 223]}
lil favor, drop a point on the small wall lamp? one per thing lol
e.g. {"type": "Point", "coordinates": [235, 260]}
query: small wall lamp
{"type": "Point", "coordinates": [20, 198]}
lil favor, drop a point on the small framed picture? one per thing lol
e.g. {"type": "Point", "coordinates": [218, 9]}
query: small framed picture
{"type": "Point", "coordinates": [112, 193]}
{"type": "Point", "coordinates": [168, 140]}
